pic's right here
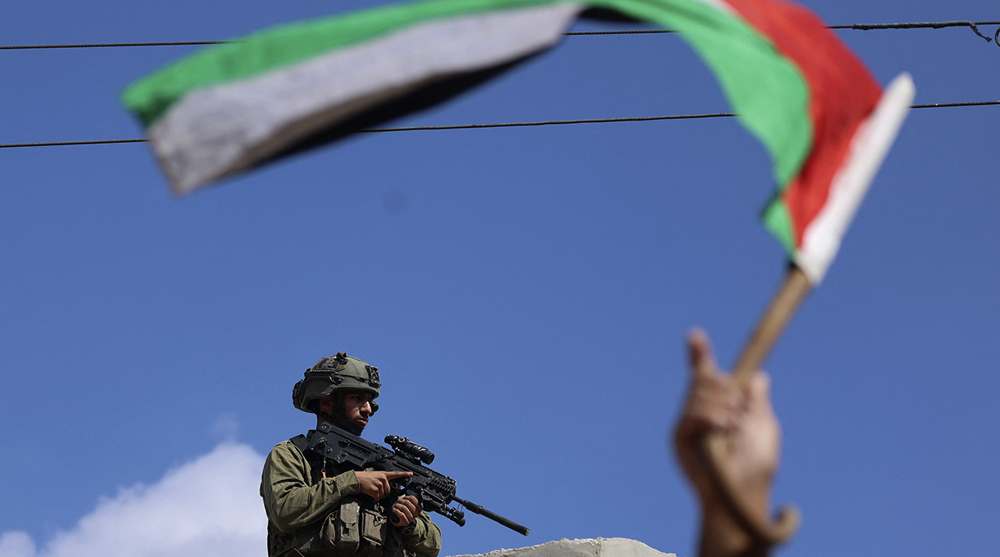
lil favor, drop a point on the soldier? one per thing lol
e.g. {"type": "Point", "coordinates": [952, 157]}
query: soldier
{"type": "Point", "coordinates": [339, 512]}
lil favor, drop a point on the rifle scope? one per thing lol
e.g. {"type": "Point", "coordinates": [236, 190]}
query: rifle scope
{"type": "Point", "coordinates": [409, 448]}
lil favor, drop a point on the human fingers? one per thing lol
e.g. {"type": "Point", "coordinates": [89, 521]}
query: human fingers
{"type": "Point", "coordinates": [374, 484]}
{"type": "Point", "coordinates": [758, 400]}
{"type": "Point", "coordinates": [700, 355]}
{"type": "Point", "coordinates": [394, 475]}
{"type": "Point", "coordinates": [406, 509]}
{"type": "Point", "coordinates": [713, 400]}
{"type": "Point", "coordinates": [759, 393]}
{"type": "Point", "coordinates": [412, 502]}
{"type": "Point", "coordinates": [761, 423]}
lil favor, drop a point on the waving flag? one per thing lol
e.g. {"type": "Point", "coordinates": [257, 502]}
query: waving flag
{"type": "Point", "coordinates": [795, 86]}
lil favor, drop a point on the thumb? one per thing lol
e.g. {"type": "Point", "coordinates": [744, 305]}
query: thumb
{"type": "Point", "coordinates": [700, 355]}
{"type": "Point", "coordinates": [759, 393]}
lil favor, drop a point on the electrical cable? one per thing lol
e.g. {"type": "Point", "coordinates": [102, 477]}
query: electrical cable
{"type": "Point", "coordinates": [110, 45]}
{"type": "Point", "coordinates": [64, 143]}
{"type": "Point", "coordinates": [497, 125]}
{"type": "Point", "coordinates": [856, 26]}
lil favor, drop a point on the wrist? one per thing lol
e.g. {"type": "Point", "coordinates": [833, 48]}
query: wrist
{"type": "Point", "coordinates": [411, 530]}
{"type": "Point", "coordinates": [723, 536]}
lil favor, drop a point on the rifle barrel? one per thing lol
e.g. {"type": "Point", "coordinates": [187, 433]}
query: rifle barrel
{"type": "Point", "coordinates": [478, 509]}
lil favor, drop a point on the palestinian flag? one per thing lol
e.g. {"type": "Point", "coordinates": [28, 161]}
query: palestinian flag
{"type": "Point", "coordinates": [795, 86]}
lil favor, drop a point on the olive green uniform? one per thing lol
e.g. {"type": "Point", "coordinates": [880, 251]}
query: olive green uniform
{"type": "Point", "coordinates": [298, 501]}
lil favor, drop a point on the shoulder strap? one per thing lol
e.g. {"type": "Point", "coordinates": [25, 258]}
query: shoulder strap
{"type": "Point", "coordinates": [301, 442]}
{"type": "Point", "coordinates": [316, 461]}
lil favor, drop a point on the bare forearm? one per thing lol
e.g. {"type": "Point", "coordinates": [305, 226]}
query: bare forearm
{"type": "Point", "coordinates": [721, 536]}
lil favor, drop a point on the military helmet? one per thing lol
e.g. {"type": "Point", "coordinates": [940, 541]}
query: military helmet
{"type": "Point", "coordinates": [339, 372]}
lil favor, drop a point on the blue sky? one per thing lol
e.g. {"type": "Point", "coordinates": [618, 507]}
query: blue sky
{"type": "Point", "coordinates": [524, 292]}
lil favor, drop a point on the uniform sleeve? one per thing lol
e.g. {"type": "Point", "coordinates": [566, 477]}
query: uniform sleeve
{"type": "Point", "coordinates": [290, 499]}
{"type": "Point", "coordinates": [425, 539]}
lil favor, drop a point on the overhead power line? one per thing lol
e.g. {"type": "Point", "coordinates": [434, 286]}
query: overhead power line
{"type": "Point", "coordinates": [933, 25]}
{"type": "Point", "coordinates": [974, 25]}
{"type": "Point", "coordinates": [496, 125]}
{"type": "Point", "coordinates": [109, 45]}
{"type": "Point", "coordinates": [65, 143]}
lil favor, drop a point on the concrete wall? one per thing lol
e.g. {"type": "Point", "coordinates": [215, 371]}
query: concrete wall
{"type": "Point", "coordinates": [600, 547]}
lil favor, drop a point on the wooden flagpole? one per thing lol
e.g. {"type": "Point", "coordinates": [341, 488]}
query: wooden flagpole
{"type": "Point", "coordinates": [769, 328]}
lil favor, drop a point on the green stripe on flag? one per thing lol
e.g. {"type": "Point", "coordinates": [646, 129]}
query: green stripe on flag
{"type": "Point", "coordinates": [764, 87]}
{"type": "Point", "coordinates": [778, 221]}
{"type": "Point", "coordinates": [259, 52]}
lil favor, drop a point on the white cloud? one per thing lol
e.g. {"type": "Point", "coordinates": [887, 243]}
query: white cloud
{"type": "Point", "coordinates": [16, 544]}
{"type": "Point", "coordinates": [226, 428]}
{"type": "Point", "coordinates": [209, 506]}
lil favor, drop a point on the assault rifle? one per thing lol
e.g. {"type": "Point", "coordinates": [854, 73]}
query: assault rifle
{"type": "Point", "coordinates": [433, 490]}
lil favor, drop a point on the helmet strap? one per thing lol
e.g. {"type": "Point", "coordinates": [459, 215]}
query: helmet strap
{"type": "Point", "coordinates": [338, 417]}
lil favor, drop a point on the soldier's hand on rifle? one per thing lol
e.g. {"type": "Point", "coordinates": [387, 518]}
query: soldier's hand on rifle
{"type": "Point", "coordinates": [407, 509]}
{"type": "Point", "coordinates": [746, 418]}
{"type": "Point", "coordinates": [375, 484]}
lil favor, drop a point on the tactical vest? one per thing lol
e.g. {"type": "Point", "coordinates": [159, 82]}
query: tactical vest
{"type": "Point", "coordinates": [359, 527]}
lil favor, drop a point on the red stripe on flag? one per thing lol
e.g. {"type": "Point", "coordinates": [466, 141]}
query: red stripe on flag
{"type": "Point", "coordinates": [842, 93]}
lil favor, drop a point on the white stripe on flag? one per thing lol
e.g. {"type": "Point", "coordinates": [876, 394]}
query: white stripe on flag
{"type": "Point", "coordinates": [222, 129]}
{"type": "Point", "coordinates": [868, 149]}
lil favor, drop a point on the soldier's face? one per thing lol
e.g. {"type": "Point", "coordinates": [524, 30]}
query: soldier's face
{"type": "Point", "coordinates": [350, 412]}
{"type": "Point", "coordinates": [357, 408]}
